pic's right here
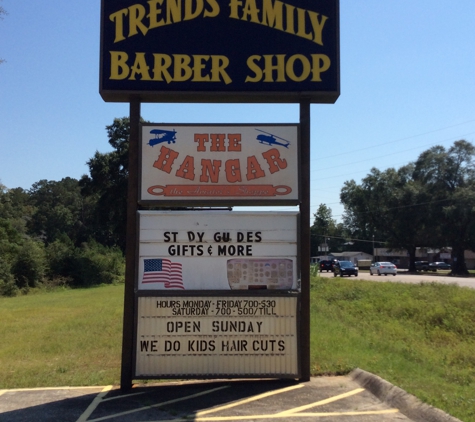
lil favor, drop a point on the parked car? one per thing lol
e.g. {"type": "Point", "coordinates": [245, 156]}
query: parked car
{"type": "Point", "coordinates": [423, 266]}
{"type": "Point", "coordinates": [327, 265]}
{"type": "Point", "coordinates": [342, 268]}
{"type": "Point", "coordinates": [434, 266]}
{"type": "Point", "coordinates": [383, 268]}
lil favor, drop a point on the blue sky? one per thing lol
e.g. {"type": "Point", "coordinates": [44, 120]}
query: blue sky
{"type": "Point", "coordinates": [407, 84]}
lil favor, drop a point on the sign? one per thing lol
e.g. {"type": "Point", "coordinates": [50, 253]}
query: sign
{"type": "Point", "coordinates": [220, 51]}
{"type": "Point", "coordinates": [247, 164]}
{"type": "Point", "coordinates": [217, 250]}
{"type": "Point", "coordinates": [210, 335]}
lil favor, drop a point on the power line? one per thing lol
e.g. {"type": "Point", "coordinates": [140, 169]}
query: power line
{"type": "Point", "coordinates": [400, 140]}
{"type": "Point", "coordinates": [380, 211]}
{"type": "Point", "coordinates": [397, 152]}
{"type": "Point", "coordinates": [351, 239]}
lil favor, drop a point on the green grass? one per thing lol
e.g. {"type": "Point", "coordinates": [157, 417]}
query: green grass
{"type": "Point", "coordinates": [61, 338]}
{"type": "Point", "coordinates": [419, 337]}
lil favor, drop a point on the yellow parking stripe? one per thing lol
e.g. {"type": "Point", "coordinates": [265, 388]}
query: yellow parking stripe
{"type": "Point", "coordinates": [128, 412]}
{"type": "Point", "coordinates": [93, 387]}
{"type": "Point", "coordinates": [124, 396]}
{"type": "Point", "coordinates": [321, 402]}
{"type": "Point", "coordinates": [200, 416]}
{"type": "Point", "coordinates": [97, 400]}
{"type": "Point", "coordinates": [281, 416]}
{"type": "Point", "coordinates": [354, 413]}
{"type": "Point", "coordinates": [248, 400]}
{"type": "Point", "coordinates": [142, 392]}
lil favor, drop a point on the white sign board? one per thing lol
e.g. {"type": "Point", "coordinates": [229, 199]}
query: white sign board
{"type": "Point", "coordinates": [217, 250]}
{"type": "Point", "coordinates": [219, 163]}
{"type": "Point", "coordinates": [201, 335]}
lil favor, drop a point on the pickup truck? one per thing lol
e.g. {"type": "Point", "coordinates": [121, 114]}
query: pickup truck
{"type": "Point", "coordinates": [424, 266]}
{"type": "Point", "coordinates": [327, 265]}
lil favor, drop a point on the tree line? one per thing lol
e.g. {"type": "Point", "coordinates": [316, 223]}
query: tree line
{"type": "Point", "coordinates": [68, 232]}
{"type": "Point", "coordinates": [429, 202]}
{"type": "Point", "coordinates": [72, 232]}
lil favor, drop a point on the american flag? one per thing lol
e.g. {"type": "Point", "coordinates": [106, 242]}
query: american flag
{"type": "Point", "coordinates": [163, 271]}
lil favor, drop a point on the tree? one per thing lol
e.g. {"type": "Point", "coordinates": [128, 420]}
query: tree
{"type": "Point", "coordinates": [15, 206]}
{"type": "Point", "coordinates": [323, 221]}
{"type": "Point", "coordinates": [325, 230]}
{"type": "Point", "coordinates": [58, 211]}
{"type": "Point", "coordinates": [30, 265]}
{"type": "Point", "coordinates": [7, 282]}
{"type": "Point", "coordinates": [449, 176]}
{"type": "Point", "coordinates": [2, 13]}
{"type": "Point", "coordinates": [14, 212]}
{"type": "Point", "coordinates": [107, 185]}
{"type": "Point", "coordinates": [387, 205]}
{"type": "Point", "coordinates": [428, 203]}
{"type": "Point", "coordinates": [94, 264]}
{"type": "Point", "coordinates": [460, 229]}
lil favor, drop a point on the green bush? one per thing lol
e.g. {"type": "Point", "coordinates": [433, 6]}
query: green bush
{"type": "Point", "coordinates": [30, 265]}
{"type": "Point", "coordinates": [7, 282]}
{"type": "Point", "coordinates": [94, 264]}
{"type": "Point", "coordinates": [60, 265]}
{"type": "Point", "coordinates": [8, 289]}
{"type": "Point", "coordinates": [59, 254]}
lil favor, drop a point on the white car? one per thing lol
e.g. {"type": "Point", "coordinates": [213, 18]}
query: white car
{"type": "Point", "coordinates": [383, 268]}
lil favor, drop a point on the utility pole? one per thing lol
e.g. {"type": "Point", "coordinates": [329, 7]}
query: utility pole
{"type": "Point", "coordinates": [373, 250]}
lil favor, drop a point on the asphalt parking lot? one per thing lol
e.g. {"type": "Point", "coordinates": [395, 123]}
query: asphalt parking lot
{"type": "Point", "coordinates": [358, 397]}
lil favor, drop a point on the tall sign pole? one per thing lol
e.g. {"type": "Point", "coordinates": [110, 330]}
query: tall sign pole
{"type": "Point", "coordinates": [305, 236]}
{"type": "Point", "coordinates": [131, 247]}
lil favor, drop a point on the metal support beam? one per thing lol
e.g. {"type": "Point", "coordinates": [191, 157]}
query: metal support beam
{"type": "Point", "coordinates": [130, 249]}
{"type": "Point", "coordinates": [305, 239]}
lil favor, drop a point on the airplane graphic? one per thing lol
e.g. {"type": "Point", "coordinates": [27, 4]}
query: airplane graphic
{"type": "Point", "coordinates": [162, 135]}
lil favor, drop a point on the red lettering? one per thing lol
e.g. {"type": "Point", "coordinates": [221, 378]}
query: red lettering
{"type": "Point", "coordinates": [234, 142]}
{"type": "Point", "coordinates": [254, 170]}
{"type": "Point", "coordinates": [217, 142]}
{"type": "Point", "coordinates": [210, 170]}
{"type": "Point", "coordinates": [274, 161]}
{"type": "Point", "coordinates": [187, 168]}
{"type": "Point", "coordinates": [201, 138]}
{"type": "Point", "coordinates": [233, 171]}
{"type": "Point", "coordinates": [165, 159]}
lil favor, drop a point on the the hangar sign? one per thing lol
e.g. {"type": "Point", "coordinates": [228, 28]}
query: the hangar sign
{"type": "Point", "coordinates": [255, 164]}
{"type": "Point", "coordinates": [220, 51]}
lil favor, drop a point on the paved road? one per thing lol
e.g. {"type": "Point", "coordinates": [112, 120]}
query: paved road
{"type": "Point", "coordinates": [405, 277]}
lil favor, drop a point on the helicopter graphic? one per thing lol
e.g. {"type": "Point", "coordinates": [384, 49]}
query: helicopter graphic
{"type": "Point", "coordinates": [271, 139]}
{"type": "Point", "coordinates": [162, 135]}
